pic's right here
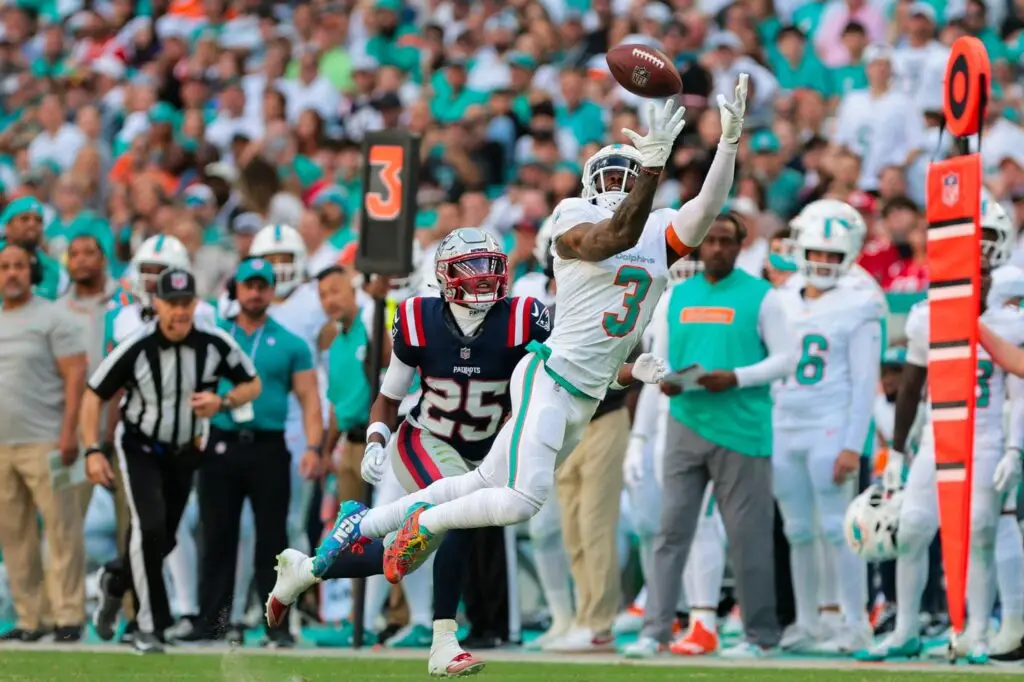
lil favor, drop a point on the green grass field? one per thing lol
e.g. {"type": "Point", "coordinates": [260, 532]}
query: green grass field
{"type": "Point", "coordinates": [63, 666]}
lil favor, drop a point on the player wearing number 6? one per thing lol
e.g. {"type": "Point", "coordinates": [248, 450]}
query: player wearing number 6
{"type": "Point", "coordinates": [820, 421]}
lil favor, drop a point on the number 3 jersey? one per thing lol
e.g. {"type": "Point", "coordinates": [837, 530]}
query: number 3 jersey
{"type": "Point", "coordinates": [838, 336]}
{"type": "Point", "coordinates": [465, 380]}
{"type": "Point", "coordinates": [604, 307]}
{"type": "Point", "coordinates": [990, 391]}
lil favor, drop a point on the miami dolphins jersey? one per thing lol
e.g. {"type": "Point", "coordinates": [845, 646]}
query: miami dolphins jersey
{"type": "Point", "coordinates": [819, 392]}
{"type": "Point", "coordinates": [603, 308]}
{"type": "Point", "coordinates": [990, 391]}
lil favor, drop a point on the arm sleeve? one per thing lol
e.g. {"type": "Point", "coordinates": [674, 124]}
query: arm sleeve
{"type": "Point", "coordinates": [782, 352]}
{"type": "Point", "coordinates": [917, 337]}
{"type": "Point", "coordinates": [645, 420]}
{"type": "Point", "coordinates": [659, 336]}
{"type": "Point", "coordinates": [693, 220]}
{"type": "Point", "coordinates": [1015, 431]}
{"type": "Point", "coordinates": [67, 337]}
{"type": "Point", "coordinates": [115, 372]}
{"type": "Point", "coordinates": [398, 379]}
{"type": "Point", "coordinates": [235, 365]}
{"type": "Point", "coordinates": [865, 347]}
{"type": "Point", "coordinates": [399, 348]}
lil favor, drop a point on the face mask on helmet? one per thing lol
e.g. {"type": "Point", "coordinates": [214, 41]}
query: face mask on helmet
{"type": "Point", "coordinates": [146, 279]}
{"type": "Point", "coordinates": [823, 269]}
{"type": "Point", "coordinates": [475, 280]}
{"type": "Point", "coordinates": [996, 248]}
{"type": "Point", "coordinates": [285, 272]}
{"type": "Point", "coordinates": [871, 524]}
{"type": "Point", "coordinates": [610, 179]}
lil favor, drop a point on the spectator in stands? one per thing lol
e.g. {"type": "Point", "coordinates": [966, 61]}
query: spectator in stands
{"type": "Point", "coordinates": [42, 370]}
{"type": "Point", "coordinates": [904, 223]}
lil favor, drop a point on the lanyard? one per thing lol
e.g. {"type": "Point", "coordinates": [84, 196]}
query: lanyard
{"type": "Point", "coordinates": [255, 341]}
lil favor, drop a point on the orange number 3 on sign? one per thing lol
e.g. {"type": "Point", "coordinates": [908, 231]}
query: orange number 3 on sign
{"type": "Point", "coordinates": [387, 204]}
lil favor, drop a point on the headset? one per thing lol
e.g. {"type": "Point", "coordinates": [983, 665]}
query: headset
{"type": "Point", "coordinates": [231, 285]}
{"type": "Point", "coordinates": [35, 266]}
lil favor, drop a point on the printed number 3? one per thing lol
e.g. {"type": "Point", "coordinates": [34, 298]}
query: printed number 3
{"type": "Point", "coordinates": [386, 205]}
{"type": "Point", "coordinates": [811, 368]}
{"type": "Point", "coordinates": [637, 283]}
{"type": "Point", "coordinates": [984, 377]}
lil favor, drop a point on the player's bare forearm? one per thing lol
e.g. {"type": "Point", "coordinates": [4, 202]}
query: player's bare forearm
{"type": "Point", "coordinates": [625, 375]}
{"type": "Point", "coordinates": [89, 417]}
{"type": "Point", "coordinates": [908, 400]}
{"type": "Point", "coordinates": [385, 411]}
{"type": "Point", "coordinates": [597, 241]}
{"type": "Point", "coordinates": [333, 434]}
{"type": "Point", "coordinates": [113, 418]}
{"type": "Point", "coordinates": [1004, 353]}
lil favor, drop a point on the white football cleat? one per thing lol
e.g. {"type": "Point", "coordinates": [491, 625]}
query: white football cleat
{"type": "Point", "coordinates": [559, 627]}
{"type": "Point", "coordinates": [582, 641]}
{"type": "Point", "coordinates": [294, 576]}
{"type": "Point", "coordinates": [643, 647]}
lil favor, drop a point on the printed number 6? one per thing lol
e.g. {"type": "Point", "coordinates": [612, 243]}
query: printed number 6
{"type": "Point", "coordinates": [390, 160]}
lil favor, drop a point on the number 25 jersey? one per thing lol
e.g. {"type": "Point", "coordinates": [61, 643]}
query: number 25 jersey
{"type": "Point", "coordinates": [464, 380]}
{"type": "Point", "coordinates": [604, 307]}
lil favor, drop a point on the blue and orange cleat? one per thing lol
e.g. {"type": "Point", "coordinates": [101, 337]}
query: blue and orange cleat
{"type": "Point", "coordinates": [411, 547]}
{"type": "Point", "coordinates": [344, 536]}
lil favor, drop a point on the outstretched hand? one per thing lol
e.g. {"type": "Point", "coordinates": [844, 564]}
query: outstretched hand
{"type": "Point", "coordinates": [734, 111]}
{"type": "Point", "coordinates": [656, 146]}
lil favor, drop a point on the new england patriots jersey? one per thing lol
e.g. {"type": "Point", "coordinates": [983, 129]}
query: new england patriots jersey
{"type": "Point", "coordinates": [465, 396]}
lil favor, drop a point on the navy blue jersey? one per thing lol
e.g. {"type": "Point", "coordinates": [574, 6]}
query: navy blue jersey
{"type": "Point", "coordinates": [465, 380]}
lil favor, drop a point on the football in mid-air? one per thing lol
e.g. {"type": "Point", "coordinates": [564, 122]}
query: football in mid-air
{"type": "Point", "coordinates": [644, 71]}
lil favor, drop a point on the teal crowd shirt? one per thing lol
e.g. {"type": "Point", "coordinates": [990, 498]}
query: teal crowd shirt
{"type": "Point", "coordinates": [278, 355]}
{"type": "Point", "coordinates": [348, 387]}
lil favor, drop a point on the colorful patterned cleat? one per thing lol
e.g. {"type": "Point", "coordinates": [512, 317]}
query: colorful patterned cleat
{"type": "Point", "coordinates": [411, 547]}
{"type": "Point", "coordinates": [888, 649]}
{"type": "Point", "coordinates": [344, 536]}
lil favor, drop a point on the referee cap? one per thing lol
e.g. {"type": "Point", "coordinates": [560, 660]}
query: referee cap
{"type": "Point", "coordinates": [175, 284]}
{"type": "Point", "coordinates": [255, 268]}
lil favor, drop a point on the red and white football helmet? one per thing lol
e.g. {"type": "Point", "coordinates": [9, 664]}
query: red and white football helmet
{"type": "Point", "coordinates": [471, 269]}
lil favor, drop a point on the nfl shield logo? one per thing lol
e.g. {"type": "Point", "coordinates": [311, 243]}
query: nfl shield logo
{"type": "Point", "coordinates": [640, 76]}
{"type": "Point", "coordinates": [464, 354]}
{"type": "Point", "coordinates": [950, 189]}
{"type": "Point", "coordinates": [179, 280]}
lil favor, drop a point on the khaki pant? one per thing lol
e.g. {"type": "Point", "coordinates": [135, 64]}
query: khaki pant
{"type": "Point", "coordinates": [589, 486]}
{"type": "Point", "coordinates": [350, 478]}
{"type": "Point", "coordinates": [25, 493]}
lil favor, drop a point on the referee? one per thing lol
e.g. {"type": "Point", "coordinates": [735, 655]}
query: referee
{"type": "Point", "coordinates": [169, 370]}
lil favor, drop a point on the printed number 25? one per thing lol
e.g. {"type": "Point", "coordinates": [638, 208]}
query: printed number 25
{"type": "Point", "coordinates": [637, 283]}
{"type": "Point", "coordinates": [386, 205]}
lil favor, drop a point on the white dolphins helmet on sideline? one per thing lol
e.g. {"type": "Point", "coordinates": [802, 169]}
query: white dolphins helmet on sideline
{"type": "Point", "coordinates": [275, 241]}
{"type": "Point", "coordinates": [157, 253]}
{"type": "Point", "coordinates": [871, 522]}
{"type": "Point", "coordinates": [994, 217]}
{"type": "Point", "coordinates": [825, 235]}
{"type": "Point", "coordinates": [818, 211]}
{"type": "Point", "coordinates": [609, 174]}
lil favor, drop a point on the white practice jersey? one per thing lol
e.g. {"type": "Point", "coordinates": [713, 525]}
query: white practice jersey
{"type": "Point", "coordinates": [129, 319]}
{"type": "Point", "coordinates": [603, 308]}
{"type": "Point", "coordinates": [819, 392]}
{"type": "Point", "coordinates": [990, 390]}
{"type": "Point", "coordinates": [303, 315]}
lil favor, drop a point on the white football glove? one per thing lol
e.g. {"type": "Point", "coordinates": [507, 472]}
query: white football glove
{"type": "Point", "coordinates": [1008, 471]}
{"type": "Point", "coordinates": [633, 466]}
{"type": "Point", "coordinates": [648, 368]}
{"type": "Point", "coordinates": [732, 112]}
{"type": "Point", "coordinates": [375, 459]}
{"type": "Point", "coordinates": [892, 477]}
{"type": "Point", "coordinates": [656, 146]}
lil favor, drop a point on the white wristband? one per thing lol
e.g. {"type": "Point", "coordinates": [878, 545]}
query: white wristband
{"type": "Point", "coordinates": [380, 429]}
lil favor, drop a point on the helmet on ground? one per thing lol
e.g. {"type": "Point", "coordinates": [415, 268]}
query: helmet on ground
{"type": "Point", "coordinates": [609, 174]}
{"type": "Point", "coordinates": [820, 210]}
{"type": "Point", "coordinates": [471, 269]}
{"type": "Point", "coordinates": [153, 256]}
{"type": "Point", "coordinates": [871, 522]}
{"type": "Point", "coordinates": [277, 243]}
{"type": "Point", "coordinates": [998, 249]}
{"type": "Point", "coordinates": [833, 240]}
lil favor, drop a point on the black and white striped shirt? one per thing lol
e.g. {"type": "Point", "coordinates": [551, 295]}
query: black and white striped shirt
{"type": "Point", "coordinates": [160, 377]}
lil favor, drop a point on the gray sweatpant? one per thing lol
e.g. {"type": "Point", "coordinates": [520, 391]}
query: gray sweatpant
{"type": "Point", "coordinates": [743, 493]}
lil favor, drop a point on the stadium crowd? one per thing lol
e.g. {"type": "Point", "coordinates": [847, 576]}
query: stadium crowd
{"type": "Point", "coordinates": [141, 136]}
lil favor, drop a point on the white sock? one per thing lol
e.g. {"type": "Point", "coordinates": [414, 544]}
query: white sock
{"type": "Point", "coordinates": [641, 598]}
{"type": "Point", "coordinates": [553, 572]}
{"type": "Point", "coordinates": [981, 583]}
{"type": "Point", "coordinates": [852, 580]}
{"type": "Point", "coordinates": [444, 636]}
{"type": "Point", "coordinates": [706, 617]}
{"type": "Point", "coordinates": [479, 509]}
{"type": "Point", "coordinates": [911, 579]}
{"type": "Point", "coordinates": [419, 593]}
{"type": "Point", "coordinates": [1010, 568]}
{"type": "Point", "coordinates": [245, 566]}
{"type": "Point", "coordinates": [705, 567]}
{"type": "Point", "coordinates": [377, 591]}
{"type": "Point", "coordinates": [828, 590]}
{"type": "Point", "coordinates": [381, 520]}
{"type": "Point", "coordinates": [803, 562]}
{"type": "Point", "coordinates": [183, 568]}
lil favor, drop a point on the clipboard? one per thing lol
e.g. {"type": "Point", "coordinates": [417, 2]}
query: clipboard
{"type": "Point", "coordinates": [62, 477]}
{"type": "Point", "coordinates": [687, 377]}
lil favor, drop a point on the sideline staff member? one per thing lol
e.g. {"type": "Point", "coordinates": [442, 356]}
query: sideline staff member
{"type": "Point", "coordinates": [246, 455]}
{"type": "Point", "coordinates": [169, 370]}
